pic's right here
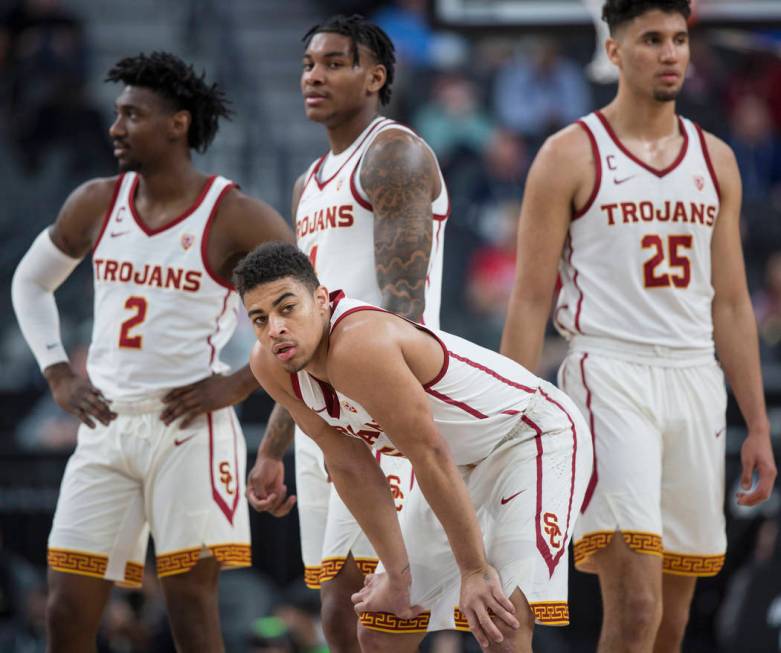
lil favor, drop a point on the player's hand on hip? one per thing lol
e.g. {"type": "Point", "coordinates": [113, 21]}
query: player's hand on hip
{"type": "Point", "coordinates": [383, 593]}
{"type": "Point", "coordinates": [266, 489]}
{"type": "Point", "coordinates": [756, 454]}
{"type": "Point", "coordinates": [204, 396]}
{"type": "Point", "coordinates": [76, 395]}
{"type": "Point", "coordinates": [482, 596]}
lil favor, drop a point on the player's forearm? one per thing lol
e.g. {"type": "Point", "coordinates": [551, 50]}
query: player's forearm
{"type": "Point", "coordinates": [246, 383]}
{"type": "Point", "coordinates": [735, 335]}
{"type": "Point", "coordinates": [278, 435]}
{"type": "Point", "coordinates": [363, 488]}
{"type": "Point", "coordinates": [446, 493]}
{"type": "Point", "coordinates": [524, 329]}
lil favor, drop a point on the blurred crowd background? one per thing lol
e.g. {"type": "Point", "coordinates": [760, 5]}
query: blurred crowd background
{"type": "Point", "coordinates": [485, 100]}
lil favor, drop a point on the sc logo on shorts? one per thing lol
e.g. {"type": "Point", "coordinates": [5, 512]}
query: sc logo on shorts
{"type": "Point", "coordinates": [552, 529]}
{"type": "Point", "coordinates": [226, 478]}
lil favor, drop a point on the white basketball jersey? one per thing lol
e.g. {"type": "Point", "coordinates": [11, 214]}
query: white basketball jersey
{"type": "Point", "coordinates": [161, 315]}
{"type": "Point", "coordinates": [636, 265]}
{"type": "Point", "coordinates": [476, 400]}
{"type": "Point", "coordinates": [335, 225]}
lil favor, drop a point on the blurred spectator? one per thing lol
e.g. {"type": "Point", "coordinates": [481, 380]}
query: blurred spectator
{"type": "Point", "coordinates": [45, 68]}
{"type": "Point", "coordinates": [757, 147]}
{"type": "Point", "coordinates": [491, 275]}
{"type": "Point", "coordinates": [405, 23]}
{"type": "Point", "coordinates": [537, 94]}
{"type": "Point", "coordinates": [767, 308]}
{"type": "Point", "coordinates": [759, 75]}
{"type": "Point", "coordinates": [453, 118]}
{"type": "Point", "coordinates": [47, 426]}
{"type": "Point", "coordinates": [701, 97]}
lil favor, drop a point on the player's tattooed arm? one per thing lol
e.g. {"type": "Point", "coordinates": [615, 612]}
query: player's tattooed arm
{"type": "Point", "coordinates": [400, 178]}
{"type": "Point", "coordinates": [279, 433]}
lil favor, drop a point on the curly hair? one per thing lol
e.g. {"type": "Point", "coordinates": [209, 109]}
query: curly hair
{"type": "Point", "coordinates": [362, 32]}
{"type": "Point", "coordinates": [618, 12]}
{"type": "Point", "coordinates": [272, 261]}
{"type": "Point", "coordinates": [177, 82]}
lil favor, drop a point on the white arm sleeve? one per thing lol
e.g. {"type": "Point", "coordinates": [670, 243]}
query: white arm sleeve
{"type": "Point", "coordinates": [40, 272]}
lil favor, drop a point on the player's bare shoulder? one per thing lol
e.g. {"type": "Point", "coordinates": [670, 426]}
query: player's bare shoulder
{"type": "Point", "coordinates": [566, 163]}
{"type": "Point", "coordinates": [240, 214]}
{"type": "Point", "coordinates": [398, 163]}
{"type": "Point", "coordinates": [82, 215]}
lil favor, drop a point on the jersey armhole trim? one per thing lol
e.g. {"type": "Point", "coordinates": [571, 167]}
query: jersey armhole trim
{"type": "Point", "coordinates": [205, 238]}
{"type": "Point", "coordinates": [578, 213]}
{"type": "Point", "coordinates": [708, 161]}
{"type": "Point", "coordinates": [109, 211]}
{"type": "Point", "coordinates": [296, 385]}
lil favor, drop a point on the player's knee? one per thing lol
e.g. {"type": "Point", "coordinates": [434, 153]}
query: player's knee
{"type": "Point", "coordinates": [64, 618]}
{"type": "Point", "coordinates": [641, 615]}
{"type": "Point", "coordinates": [373, 642]}
{"type": "Point", "coordinates": [339, 622]}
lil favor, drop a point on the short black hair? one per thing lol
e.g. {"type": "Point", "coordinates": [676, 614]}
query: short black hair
{"type": "Point", "coordinates": [618, 12]}
{"type": "Point", "coordinates": [176, 81]}
{"type": "Point", "coordinates": [272, 261]}
{"type": "Point", "coordinates": [362, 32]}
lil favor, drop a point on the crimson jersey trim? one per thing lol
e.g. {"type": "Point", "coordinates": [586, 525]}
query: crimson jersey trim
{"type": "Point", "coordinates": [708, 161]}
{"type": "Point", "coordinates": [207, 232]}
{"type": "Point", "coordinates": [597, 172]}
{"type": "Point", "coordinates": [149, 231]}
{"type": "Point", "coordinates": [109, 211]}
{"type": "Point", "coordinates": [640, 162]}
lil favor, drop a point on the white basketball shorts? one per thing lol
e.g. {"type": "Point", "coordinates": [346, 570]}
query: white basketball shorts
{"type": "Point", "coordinates": [658, 420]}
{"type": "Point", "coordinates": [527, 494]}
{"type": "Point", "coordinates": [136, 476]}
{"type": "Point", "coordinates": [329, 532]}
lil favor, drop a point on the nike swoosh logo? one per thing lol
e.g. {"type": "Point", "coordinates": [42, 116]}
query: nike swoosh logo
{"type": "Point", "coordinates": [178, 442]}
{"type": "Point", "coordinates": [720, 431]}
{"type": "Point", "coordinates": [618, 181]}
{"type": "Point", "coordinates": [115, 234]}
{"type": "Point", "coordinates": [51, 345]}
{"type": "Point", "coordinates": [506, 500]}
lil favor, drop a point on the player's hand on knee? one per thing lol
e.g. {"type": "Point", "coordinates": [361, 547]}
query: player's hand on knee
{"type": "Point", "coordinates": [76, 395]}
{"type": "Point", "coordinates": [381, 593]}
{"type": "Point", "coordinates": [204, 396]}
{"type": "Point", "coordinates": [756, 454]}
{"type": "Point", "coordinates": [266, 489]}
{"type": "Point", "coordinates": [482, 602]}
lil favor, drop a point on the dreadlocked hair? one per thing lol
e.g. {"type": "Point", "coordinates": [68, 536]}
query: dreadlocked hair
{"type": "Point", "coordinates": [362, 32]}
{"type": "Point", "coordinates": [617, 12]}
{"type": "Point", "coordinates": [177, 82]}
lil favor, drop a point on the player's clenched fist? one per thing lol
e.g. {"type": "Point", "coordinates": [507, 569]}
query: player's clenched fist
{"type": "Point", "coordinates": [266, 489]}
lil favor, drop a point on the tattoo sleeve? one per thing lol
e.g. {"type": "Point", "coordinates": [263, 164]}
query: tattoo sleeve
{"type": "Point", "coordinates": [398, 177]}
{"type": "Point", "coordinates": [279, 433]}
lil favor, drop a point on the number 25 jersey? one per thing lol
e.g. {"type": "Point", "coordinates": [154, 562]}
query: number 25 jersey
{"type": "Point", "coordinates": [636, 264]}
{"type": "Point", "coordinates": [161, 315]}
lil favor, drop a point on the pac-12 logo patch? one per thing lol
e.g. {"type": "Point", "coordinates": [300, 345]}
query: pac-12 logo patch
{"type": "Point", "coordinates": [187, 241]}
{"type": "Point", "coordinates": [699, 182]}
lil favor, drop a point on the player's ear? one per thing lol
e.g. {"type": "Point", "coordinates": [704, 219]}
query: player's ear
{"type": "Point", "coordinates": [612, 50]}
{"type": "Point", "coordinates": [180, 124]}
{"type": "Point", "coordinates": [321, 298]}
{"type": "Point", "coordinates": [377, 77]}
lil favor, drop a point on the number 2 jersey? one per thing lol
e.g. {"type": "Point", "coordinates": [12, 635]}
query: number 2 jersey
{"type": "Point", "coordinates": [636, 265]}
{"type": "Point", "coordinates": [161, 315]}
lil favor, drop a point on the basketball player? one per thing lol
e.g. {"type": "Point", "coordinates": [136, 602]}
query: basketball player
{"type": "Point", "coordinates": [159, 449]}
{"type": "Point", "coordinates": [370, 214]}
{"type": "Point", "coordinates": [502, 457]}
{"type": "Point", "coordinates": [638, 209]}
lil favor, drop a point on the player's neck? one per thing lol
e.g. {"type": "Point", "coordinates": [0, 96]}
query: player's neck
{"type": "Point", "coordinates": [341, 136]}
{"type": "Point", "coordinates": [318, 364]}
{"type": "Point", "coordinates": [169, 182]}
{"type": "Point", "coordinates": [645, 119]}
